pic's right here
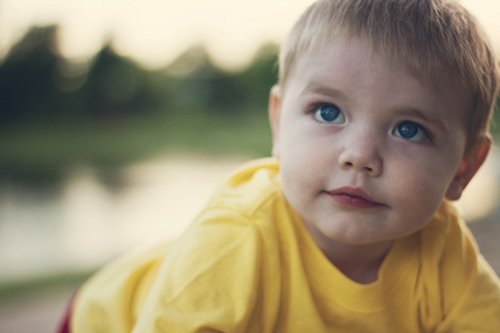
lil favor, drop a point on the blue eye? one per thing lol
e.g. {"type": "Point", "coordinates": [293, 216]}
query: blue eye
{"type": "Point", "coordinates": [411, 131]}
{"type": "Point", "coordinates": [328, 114]}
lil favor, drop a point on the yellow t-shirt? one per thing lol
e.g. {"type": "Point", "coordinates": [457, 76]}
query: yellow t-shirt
{"type": "Point", "coordinates": [247, 264]}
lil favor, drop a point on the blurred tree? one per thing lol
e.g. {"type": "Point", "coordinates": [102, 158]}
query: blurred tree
{"type": "Point", "coordinates": [259, 77]}
{"type": "Point", "coordinates": [37, 82]}
{"type": "Point", "coordinates": [199, 84]}
{"type": "Point", "coordinates": [496, 122]}
{"type": "Point", "coordinates": [202, 85]}
{"type": "Point", "coordinates": [116, 85]}
{"type": "Point", "coordinates": [27, 76]}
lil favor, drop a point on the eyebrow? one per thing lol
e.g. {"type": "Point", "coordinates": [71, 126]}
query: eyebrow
{"type": "Point", "coordinates": [428, 117]}
{"type": "Point", "coordinates": [318, 88]}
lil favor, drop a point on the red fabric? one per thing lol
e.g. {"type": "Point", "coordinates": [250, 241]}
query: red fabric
{"type": "Point", "coordinates": [64, 324]}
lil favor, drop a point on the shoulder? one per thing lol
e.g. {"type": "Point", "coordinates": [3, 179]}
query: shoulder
{"type": "Point", "coordinates": [469, 288]}
{"type": "Point", "coordinates": [446, 229]}
{"type": "Point", "coordinates": [109, 300]}
{"type": "Point", "coordinates": [234, 223]}
{"type": "Point", "coordinates": [447, 244]}
{"type": "Point", "coordinates": [248, 188]}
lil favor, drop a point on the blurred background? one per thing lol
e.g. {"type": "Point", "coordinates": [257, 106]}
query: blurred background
{"type": "Point", "coordinates": [119, 117]}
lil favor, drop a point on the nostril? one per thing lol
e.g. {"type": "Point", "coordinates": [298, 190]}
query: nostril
{"type": "Point", "coordinates": [366, 168]}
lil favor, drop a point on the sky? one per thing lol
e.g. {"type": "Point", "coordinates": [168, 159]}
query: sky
{"type": "Point", "coordinates": [154, 32]}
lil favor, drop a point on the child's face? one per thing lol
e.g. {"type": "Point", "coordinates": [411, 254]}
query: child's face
{"type": "Point", "coordinates": [367, 150]}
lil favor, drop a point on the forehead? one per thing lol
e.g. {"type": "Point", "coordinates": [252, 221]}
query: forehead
{"type": "Point", "coordinates": [361, 73]}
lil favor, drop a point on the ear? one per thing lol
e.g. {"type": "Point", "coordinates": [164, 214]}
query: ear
{"type": "Point", "coordinates": [274, 108]}
{"type": "Point", "coordinates": [468, 167]}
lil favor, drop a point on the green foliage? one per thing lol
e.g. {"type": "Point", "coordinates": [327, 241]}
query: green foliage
{"type": "Point", "coordinates": [35, 286]}
{"type": "Point", "coordinates": [495, 127]}
{"type": "Point", "coordinates": [38, 83]}
{"type": "Point", "coordinates": [55, 114]}
{"type": "Point", "coordinates": [26, 84]}
{"type": "Point", "coordinates": [202, 85]}
{"type": "Point", "coordinates": [115, 85]}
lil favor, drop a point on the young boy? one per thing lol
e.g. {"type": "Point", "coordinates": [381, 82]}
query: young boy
{"type": "Point", "coordinates": [380, 117]}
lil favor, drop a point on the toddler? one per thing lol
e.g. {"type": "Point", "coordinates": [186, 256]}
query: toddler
{"type": "Point", "coordinates": [380, 118]}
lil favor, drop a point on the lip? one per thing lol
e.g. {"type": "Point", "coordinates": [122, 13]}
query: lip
{"type": "Point", "coordinates": [353, 197]}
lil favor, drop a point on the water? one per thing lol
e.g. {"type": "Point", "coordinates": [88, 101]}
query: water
{"type": "Point", "coordinates": [84, 222]}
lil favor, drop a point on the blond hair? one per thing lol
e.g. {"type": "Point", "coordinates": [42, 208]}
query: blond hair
{"type": "Point", "coordinates": [433, 38]}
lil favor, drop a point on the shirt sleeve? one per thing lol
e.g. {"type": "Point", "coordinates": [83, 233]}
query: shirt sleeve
{"type": "Point", "coordinates": [209, 280]}
{"type": "Point", "coordinates": [109, 300]}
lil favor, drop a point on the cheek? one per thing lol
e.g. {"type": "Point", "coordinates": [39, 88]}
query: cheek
{"type": "Point", "coordinates": [297, 168]}
{"type": "Point", "coordinates": [421, 188]}
{"type": "Point", "coordinates": [307, 156]}
{"type": "Point", "coordinates": [426, 169]}
{"type": "Point", "coordinates": [425, 193]}
{"type": "Point", "coordinates": [304, 167]}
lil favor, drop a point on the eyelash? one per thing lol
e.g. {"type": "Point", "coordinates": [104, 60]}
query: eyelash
{"type": "Point", "coordinates": [314, 108]}
{"type": "Point", "coordinates": [429, 137]}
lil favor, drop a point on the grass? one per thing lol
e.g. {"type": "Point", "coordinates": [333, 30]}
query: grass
{"type": "Point", "coordinates": [44, 149]}
{"type": "Point", "coordinates": [28, 287]}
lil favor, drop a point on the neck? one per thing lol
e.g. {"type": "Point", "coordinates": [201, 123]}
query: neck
{"type": "Point", "coordinates": [360, 263]}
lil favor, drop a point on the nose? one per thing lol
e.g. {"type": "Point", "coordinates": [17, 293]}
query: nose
{"type": "Point", "coordinates": [361, 154]}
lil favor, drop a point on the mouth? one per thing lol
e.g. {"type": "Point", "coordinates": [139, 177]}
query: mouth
{"type": "Point", "coordinates": [354, 198]}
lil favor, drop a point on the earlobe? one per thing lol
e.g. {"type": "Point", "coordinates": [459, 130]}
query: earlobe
{"type": "Point", "coordinates": [274, 117]}
{"type": "Point", "coordinates": [468, 167]}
